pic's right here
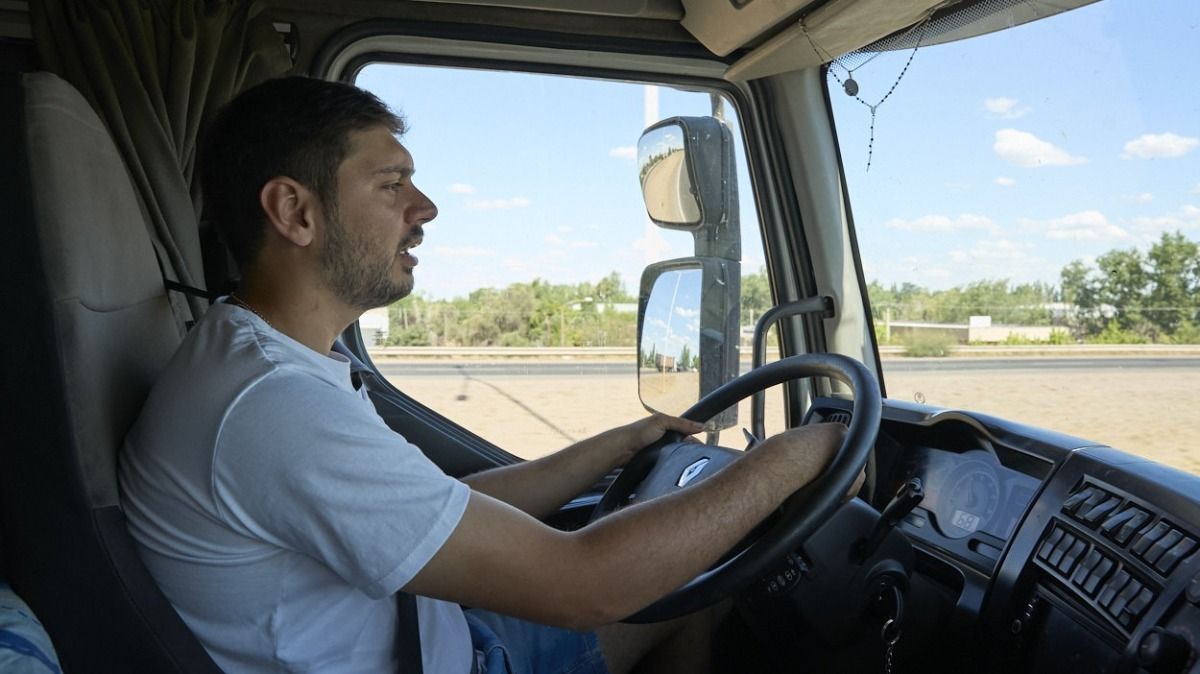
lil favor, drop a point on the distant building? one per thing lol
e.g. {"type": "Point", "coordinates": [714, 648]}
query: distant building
{"type": "Point", "coordinates": [375, 326]}
{"type": "Point", "coordinates": [979, 330]}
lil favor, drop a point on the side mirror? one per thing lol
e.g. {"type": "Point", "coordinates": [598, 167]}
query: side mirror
{"type": "Point", "coordinates": [686, 167]}
{"type": "Point", "coordinates": [688, 334]}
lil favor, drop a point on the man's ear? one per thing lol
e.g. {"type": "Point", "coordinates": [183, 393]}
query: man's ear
{"type": "Point", "coordinates": [291, 209]}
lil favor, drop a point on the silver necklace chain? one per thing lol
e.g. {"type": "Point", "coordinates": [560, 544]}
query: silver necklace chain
{"type": "Point", "coordinates": [237, 301]}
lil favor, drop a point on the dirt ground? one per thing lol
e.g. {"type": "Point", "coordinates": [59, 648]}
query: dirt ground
{"type": "Point", "coordinates": [1152, 413]}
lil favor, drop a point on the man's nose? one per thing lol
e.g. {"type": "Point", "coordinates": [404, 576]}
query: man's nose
{"type": "Point", "coordinates": [427, 210]}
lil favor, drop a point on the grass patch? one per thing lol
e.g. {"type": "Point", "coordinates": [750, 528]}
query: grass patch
{"type": "Point", "coordinates": [927, 345]}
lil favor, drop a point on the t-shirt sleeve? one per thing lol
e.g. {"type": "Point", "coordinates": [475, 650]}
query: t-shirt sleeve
{"type": "Point", "coordinates": [312, 468]}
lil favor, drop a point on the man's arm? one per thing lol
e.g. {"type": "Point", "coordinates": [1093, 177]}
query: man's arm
{"type": "Point", "coordinates": [542, 486]}
{"type": "Point", "coordinates": [501, 559]}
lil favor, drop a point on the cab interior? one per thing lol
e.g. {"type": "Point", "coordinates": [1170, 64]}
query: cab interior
{"type": "Point", "coordinates": [1091, 564]}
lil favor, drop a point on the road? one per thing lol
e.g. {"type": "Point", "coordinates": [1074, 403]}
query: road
{"type": "Point", "coordinates": [568, 368]}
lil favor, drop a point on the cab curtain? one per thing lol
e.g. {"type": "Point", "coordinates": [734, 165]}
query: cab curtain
{"type": "Point", "coordinates": [156, 71]}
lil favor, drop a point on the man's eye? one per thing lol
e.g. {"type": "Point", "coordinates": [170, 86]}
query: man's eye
{"type": "Point", "coordinates": [395, 186]}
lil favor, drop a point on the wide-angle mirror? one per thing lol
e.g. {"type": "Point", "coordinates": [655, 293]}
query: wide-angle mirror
{"type": "Point", "coordinates": [687, 339]}
{"type": "Point", "coordinates": [685, 165]}
{"type": "Point", "coordinates": [666, 177]}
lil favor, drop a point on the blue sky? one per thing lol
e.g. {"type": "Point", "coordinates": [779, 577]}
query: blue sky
{"type": "Point", "coordinates": [1012, 154]}
{"type": "Point", "coordinates": [1002, 157]}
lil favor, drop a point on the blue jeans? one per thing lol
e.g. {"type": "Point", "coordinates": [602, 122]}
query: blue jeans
{"type": "Point", "coordinates": [505, 645]}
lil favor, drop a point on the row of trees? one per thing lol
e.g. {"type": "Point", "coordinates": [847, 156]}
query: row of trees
{"type": "Point", "coordinates": [1125, 296]}
{"type": "Point", "coordinates": [523, 314]}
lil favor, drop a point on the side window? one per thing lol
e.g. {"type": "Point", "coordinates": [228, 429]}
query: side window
{"type": "Point", "coordinates": [522, 327]}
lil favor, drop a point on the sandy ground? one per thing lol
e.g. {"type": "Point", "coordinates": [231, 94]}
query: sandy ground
{"type": "Point", "coordinates": [1152, 413]}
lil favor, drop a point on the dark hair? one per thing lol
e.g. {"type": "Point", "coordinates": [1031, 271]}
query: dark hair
{"type": "Point", "coordinates": [297, 127]}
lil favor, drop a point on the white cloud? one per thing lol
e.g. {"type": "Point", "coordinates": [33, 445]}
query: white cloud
{"type": "Point", "coordinates": [1196, 189]}
{"type": "Point", "coordinates": [1187, 217]}
{"type": "Point", "coordinates": [1004, 181]}
{"type": "Point", "coordinates": [463, 251]}
{"type": "Point", "coordinates": [1140, 198]}
{"type": "Point", "coordinates": [1004, 107]}
{"type": "Point", "coordinates": [563, 229]}
{"type": "Point", "coordinates": [942, 223]}
{"type": "Point", "coordinates": [499, 204]}
{"type": "Point", "coordinates": [684, 312]}
{"type": "Point", "coordinates": [1082, 226]}
{"type": "Point", "coordinates": [998, 258]}
{"type": "Point", "coordinates": [624, 152]}
{"type": "Point", "coordinates": [1159, 146]}
{"type": "Point", "coordinates": [462, 188]}
{"type": "Point", "coordinates": [652, 245]}
{"type": "Point", "coordinates": [515, 264]}
{"type": "Point", "coordinates": [1025, 149]}
{"type": "Point", "coordinates": [556, 240]}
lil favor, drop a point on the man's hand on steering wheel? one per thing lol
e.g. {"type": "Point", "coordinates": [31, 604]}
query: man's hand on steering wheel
{"type": "Point", "coordinates": [651, 429]}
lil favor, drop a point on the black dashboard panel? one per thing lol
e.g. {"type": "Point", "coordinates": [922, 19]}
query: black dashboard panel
{"type": "Point", "coordinates": [1110, 548]}
{"type": "Point", "coordinates": [1065, 556]}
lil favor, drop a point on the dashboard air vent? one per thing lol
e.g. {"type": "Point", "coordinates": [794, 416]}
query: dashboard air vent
{"type": "Point", "coordinates": [838, 417]}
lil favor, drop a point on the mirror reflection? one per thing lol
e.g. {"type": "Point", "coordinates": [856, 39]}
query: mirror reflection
{"type": "Point", "coordinates": [669, 343]}
{"type": "Point", "coordinates": [666, 181]}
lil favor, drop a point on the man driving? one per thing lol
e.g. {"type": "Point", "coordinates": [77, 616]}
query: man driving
{"type": "Point", "coordinates": [280, 514]}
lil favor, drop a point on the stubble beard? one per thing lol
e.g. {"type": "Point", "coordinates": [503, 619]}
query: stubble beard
{"type": "Point", "coordinates": [358, 275]}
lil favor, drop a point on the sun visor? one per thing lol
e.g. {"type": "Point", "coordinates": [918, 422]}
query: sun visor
{"type": "Point", "coordinates": [840, 27]}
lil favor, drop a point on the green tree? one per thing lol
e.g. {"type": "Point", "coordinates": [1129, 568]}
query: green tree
{"type": "Point", "coordinates": [1174, 280]}
{"type": "Point", "coordinates": [1123, 285]}
{"type": "Point", "coordinates": [756, 296]}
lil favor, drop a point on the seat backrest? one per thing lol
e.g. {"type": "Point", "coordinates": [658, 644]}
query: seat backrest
{"type": "Point", "coordinates": [88, 327]}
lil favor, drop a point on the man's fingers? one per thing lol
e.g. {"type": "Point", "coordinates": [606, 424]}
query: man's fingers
{"type": "Point", "coordinates": [858, 484]}
{"type": "Point", "coordinates": [679, 424]}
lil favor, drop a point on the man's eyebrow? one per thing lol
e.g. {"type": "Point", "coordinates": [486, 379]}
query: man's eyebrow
{"type": "Point", "coordinates": [404, 171]}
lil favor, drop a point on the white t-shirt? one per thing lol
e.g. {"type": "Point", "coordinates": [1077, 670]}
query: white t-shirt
{"type": "Point", "coordinates": [279, 513]}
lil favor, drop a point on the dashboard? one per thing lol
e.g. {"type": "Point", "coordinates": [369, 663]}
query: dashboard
{"type": "Point", "coordinates": [1042, 552]}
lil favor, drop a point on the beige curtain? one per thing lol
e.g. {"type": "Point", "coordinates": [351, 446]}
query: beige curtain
{"type": "Point", "coordinates": [156, 71]}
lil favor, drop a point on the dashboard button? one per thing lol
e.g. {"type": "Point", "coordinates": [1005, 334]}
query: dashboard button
{"type": "Point", "coordinates": [1061, 549]}
{"type": "Point", "coordinates": [1138, 605]}
{"type": "Point", "coordinates": [1072, 555]}
{"type": "Point", "coordinates": [1085, 567]}
{"type": "Point", "coordinates": [1143, 541]}
{"type": "Point", "coordinates": [1123, 598]}
{"type": "Point", "coordinates": [1112, 587]}
{"type": "Point", "coordinates": [1162, 545]}
{"type": "Point", "coordinates": [1048, 546]}
{"type": "Point", "coordinates": [1135, 522]}
{"type": "Point", "coordinates": [1118, 519]}
{"type": "Point", "coordinates": [1075, 500]}
{"type": "Point", "coordinates": [1098, 574]}
{"type": "Point", "coordinates": [1171, 557]}
{"type": "Point", "coordinates": [1193, 589]}
{"type": "Point", "coordinates": [1103, 508]}
{"type": "Point", "coordinates": [1091, 501]}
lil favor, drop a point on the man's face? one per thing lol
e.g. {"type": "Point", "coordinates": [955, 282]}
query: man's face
{"type": "Point", "coordinates": [378, 217]}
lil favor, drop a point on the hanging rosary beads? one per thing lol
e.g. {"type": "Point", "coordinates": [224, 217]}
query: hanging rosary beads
{"type": "Point", "coordinates": [850, 85]}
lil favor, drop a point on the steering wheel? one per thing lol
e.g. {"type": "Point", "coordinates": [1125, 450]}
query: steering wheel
{"type": "Point", "coordinates": [670, 464]}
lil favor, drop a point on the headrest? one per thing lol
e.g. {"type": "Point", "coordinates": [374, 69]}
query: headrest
{"type": "Point", "coordinates": [94, 234]}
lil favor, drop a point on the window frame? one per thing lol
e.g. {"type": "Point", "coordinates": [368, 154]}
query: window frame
{"type": "Point", "coordinates": [521, 51]}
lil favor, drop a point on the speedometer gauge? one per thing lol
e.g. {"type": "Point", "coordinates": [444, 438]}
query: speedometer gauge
{"type": "Point", "coordinates": [971, 500]}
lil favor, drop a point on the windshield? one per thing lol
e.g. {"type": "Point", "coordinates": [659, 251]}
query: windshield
{"type": "Point", "coordinates": [1026, 205]}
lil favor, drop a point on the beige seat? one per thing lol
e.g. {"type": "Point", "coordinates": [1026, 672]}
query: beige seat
{"type": "Point", "coordinates": [87, 329]}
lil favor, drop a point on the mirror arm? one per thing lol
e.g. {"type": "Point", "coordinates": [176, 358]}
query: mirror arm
{"type": "Point", "coordinates": [822, 304]}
